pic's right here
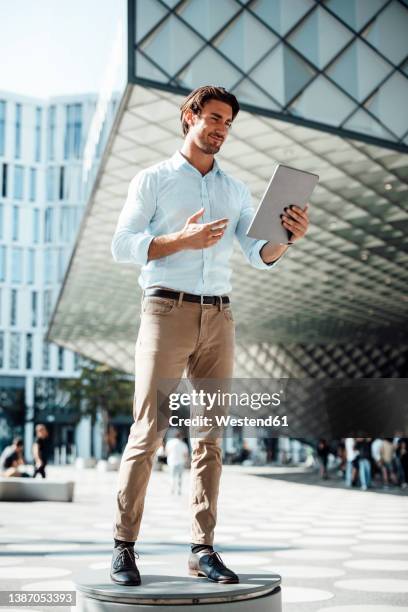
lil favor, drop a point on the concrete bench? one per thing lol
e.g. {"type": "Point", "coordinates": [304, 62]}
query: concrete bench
{"type": "Point", "coordinates": [35, 489]}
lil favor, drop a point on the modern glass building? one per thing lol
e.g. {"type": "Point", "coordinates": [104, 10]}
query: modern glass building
{"type": "Point", "coordinates": [323, 86]}
{"type": "Point", "coordinates": [41, 204]}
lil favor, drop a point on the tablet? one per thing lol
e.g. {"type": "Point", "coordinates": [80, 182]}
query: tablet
{"type": "Point", "coordinates": [287, 186]}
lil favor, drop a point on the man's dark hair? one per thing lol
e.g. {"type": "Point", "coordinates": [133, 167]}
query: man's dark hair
{"type": "Point", "coordinates": [18, 441]}
{"type": "Point", "coordinates": [200, 96]}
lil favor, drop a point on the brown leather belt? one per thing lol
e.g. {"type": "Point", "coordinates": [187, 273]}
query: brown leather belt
{"type": "Point", "coordinates": [189, 297]}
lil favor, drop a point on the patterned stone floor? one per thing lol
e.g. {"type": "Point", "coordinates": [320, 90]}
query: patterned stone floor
{"type": "Point", "coordinates": [337, 550]}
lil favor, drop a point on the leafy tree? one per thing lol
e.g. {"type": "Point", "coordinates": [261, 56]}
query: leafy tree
{"type": "Point", "coordinates": [99, 388]}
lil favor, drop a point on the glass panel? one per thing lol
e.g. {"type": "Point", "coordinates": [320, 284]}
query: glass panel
{"type": "Point", "coordinates": [16, 265]}
{"type": "Point", "coordinates": [282, 74]}
{"type": "Point", "coordinates": [245, 41]}
{"type": "Point", "coordinates": [248, 93]}
{"type": "Point", "coordinates": [15, 223]}
{"type": "Point", "coordinates": [3, 263]}
{"type": "Point", "coordinates": [13, 307]}
{"type": "Point", "coordinates": [31, 266]}
{"type": "Point", "coordinates": [171, 45]}
{"type": "Point", "coordinates": [2, 126]}
{"type": "Point", "coordinates": [204, 19]}
{"type": "Point", "coordinates": [364, 123]}
{"type": "Point", "coordinates": [17, 133]}
{"type": "Point", "coordinates": [322, 102]}
{"type": "Point", "coordinates": [18, 182]}
{"type": "Point", "coordinates": [33, 183]}
{"type": "Point", "coordinates": [281, 15]}
{"type": "Point", "coordinates": [209, 67]}
{"type": "Point", "coordinates": [320, 37]}
{"type": "Point", "coordinates": [359, 70]}
{"type": "Point", "coordinates": [146, 70]}
{"type": "Point", "coordinates": [1, 349]}
{"type": "Point", "coordinates": [1, 221]}
{"type": "Point", "coordinates": [34, 308]}
{"type": "Point", "coordinates": [148, 13]}
{"type": "Point", "coordinates": [46, 356]}
{"type": "Point", "coordinates": [355, 13]}
{"type": "Point", "coordinates": [29, 351]}
{"type": "Point", "coordinates": [14, 351]}
{"type": "Point", "coordinates": [389, 32]}
{"type": "Point", "coordinates": [390, 104]}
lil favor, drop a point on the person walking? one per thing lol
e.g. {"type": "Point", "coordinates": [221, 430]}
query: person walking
{"type": "Point", "coordinates": [179, 223]}
{"type": "Point", "coordinates": [363, 446]}
{"type": "Point", "coordinates": [177, 454]}
{"type": "Point", "coordinates": [40, 450]}
{"type": "Point", "coordinates": [351, 461]}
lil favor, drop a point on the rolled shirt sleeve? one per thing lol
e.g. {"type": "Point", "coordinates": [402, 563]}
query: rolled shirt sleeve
{"type": "Point", "coordinates": [131, 240]}
{"type": "Point", "coordinates": [251, 247]}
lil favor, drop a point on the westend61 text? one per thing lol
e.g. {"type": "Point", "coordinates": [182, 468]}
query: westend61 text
{"type": "Point", "coordinates": [225, 420]}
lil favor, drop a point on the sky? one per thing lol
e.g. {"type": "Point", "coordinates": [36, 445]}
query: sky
{"type": "Point", "coordinates": [56, 47]}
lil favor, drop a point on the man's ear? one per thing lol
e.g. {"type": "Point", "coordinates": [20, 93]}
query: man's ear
{"type": "Point", "coordinates": [189, 117]}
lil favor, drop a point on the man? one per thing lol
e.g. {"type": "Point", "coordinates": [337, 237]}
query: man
{"type": "Point", "coordinates": [178, 223]}
{"type": "Point", "coordinates": [11, 458]}
{"type": "Point", "coordinates": [177, 454]}
{"type": "Point", "coordinates": [40, 450]}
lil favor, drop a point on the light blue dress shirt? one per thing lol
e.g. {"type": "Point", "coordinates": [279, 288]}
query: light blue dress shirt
{"type": "Point", "coordinates": [159, 201]}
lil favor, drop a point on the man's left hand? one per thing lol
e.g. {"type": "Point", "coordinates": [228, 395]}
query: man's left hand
{"type": "Point", "coordinates": [296, 221]}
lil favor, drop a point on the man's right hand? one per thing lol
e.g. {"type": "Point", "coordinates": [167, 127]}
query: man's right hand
{"type": "Point", "coordinates": [201, 235]}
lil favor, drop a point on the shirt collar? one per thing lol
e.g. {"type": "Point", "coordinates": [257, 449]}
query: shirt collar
{"type": "Point", "coordinates": [179, 161]}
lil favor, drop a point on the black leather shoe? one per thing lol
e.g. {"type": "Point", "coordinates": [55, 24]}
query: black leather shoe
{"type": "Point", "coordinates": [210, 565]}
{"type": "Point", "coordinates": [123, 567]}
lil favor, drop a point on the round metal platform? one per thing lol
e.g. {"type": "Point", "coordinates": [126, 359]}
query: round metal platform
{"type": "Point", "coordinates": [255, 592]}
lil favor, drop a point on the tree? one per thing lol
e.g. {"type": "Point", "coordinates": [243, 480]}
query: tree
{"type": "Point", "coordinates": [99, 388]}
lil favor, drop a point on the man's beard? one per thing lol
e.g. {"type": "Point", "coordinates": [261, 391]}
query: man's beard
{"type": "Point", "coordinates": [209, 148]}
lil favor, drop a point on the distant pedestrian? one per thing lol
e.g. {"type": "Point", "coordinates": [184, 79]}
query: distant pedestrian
{"type": "Point", "coordinates": [323, 452]}
{"type": "Point", "coordinates": [352, 461]}
{"type": "Point", "coordinates": [363, 445]}
{"type": "Point", "coordinates": [11, 459]}
{"type": "Point", "coordinates": [177, 455]}
{"type": "Point", "coordinates": [40, 450]}
{"type": "Point", "coordinates": [387, 457]}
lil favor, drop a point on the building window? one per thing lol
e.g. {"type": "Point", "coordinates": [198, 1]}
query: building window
{"type": "Point", "coordinates": [47, 306]}
{"type": "Point", "coordinates": [46, 356]}
{"type": "Point", "coordinates": [1, 221]}
{"type": "Point", "coordinates": [37, 143]}
{"type": "Point", "coordinates": [77, 361]}
{"type": "Point", "coordinates": [73, 129]}
{"type": "Point", "coordinates": [4, 182]}
{"type": "Point", "coordinates": [15, 223]}
{"type": "Point", "coordinates": [61, 264]}
{"type": "Point", "coordinates": [29, 351]}
{"type": "Point", "coordinates": [50, 186]}
{"type": "Point", "coordinates": [14, 351]}
{"type": "Point", "coordinates": [1, 349]}
{"type": "Point", "coordinates": [2, 126]}
{"type": "Point", "coordinates": [3, 262]}
{"type": "Point", "coordinates": [36, 226]}
{"type": "Point", "coordinates": [17, 139]}
{"type": "Point", "coordinates": [51, 133]}
{"type": "Point", "coordinates": [60, 358]}
{"type": "Point", "coordinates": [34, 308]}
{"type": "Point", "coordinates": [48, 219]}
{"type": "Point", "coordinates": [18, 182]}
{"type": "Point", "coordinates": [13, 307]}
{"type": "Point", "coordinates": [33, 184]}
{"type": "Point", "coordinates": [48, 266]}
{"type": "Point", "coordinates": [30, 266]}
{"type": "Point", "coordinates": [61, 183]}
{"type": "Point", "coordinates": [16, 265]}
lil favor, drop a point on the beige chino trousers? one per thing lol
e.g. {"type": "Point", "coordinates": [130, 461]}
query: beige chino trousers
{"type": "Point", "coordinates": [175, 337]}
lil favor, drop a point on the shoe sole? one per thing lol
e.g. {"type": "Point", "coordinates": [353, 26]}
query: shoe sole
{"type": "Point", "coordinates": [198, 574]}
{"type": "Point", "coordinates": [125, 583]}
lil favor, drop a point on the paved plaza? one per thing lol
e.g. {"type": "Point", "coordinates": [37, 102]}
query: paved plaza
{"type": "Point", "coordinates": [337, 550]}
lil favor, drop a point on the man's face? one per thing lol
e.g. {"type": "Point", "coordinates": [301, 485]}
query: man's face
{"type": "Point", "coordinates": [209, 129]}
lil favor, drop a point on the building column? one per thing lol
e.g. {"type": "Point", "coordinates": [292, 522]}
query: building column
{"type": "Point", "coordinates": [83, 438]}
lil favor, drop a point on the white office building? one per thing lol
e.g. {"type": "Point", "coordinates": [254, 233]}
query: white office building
{"type": "Point", "coordinates": [41, 203]}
